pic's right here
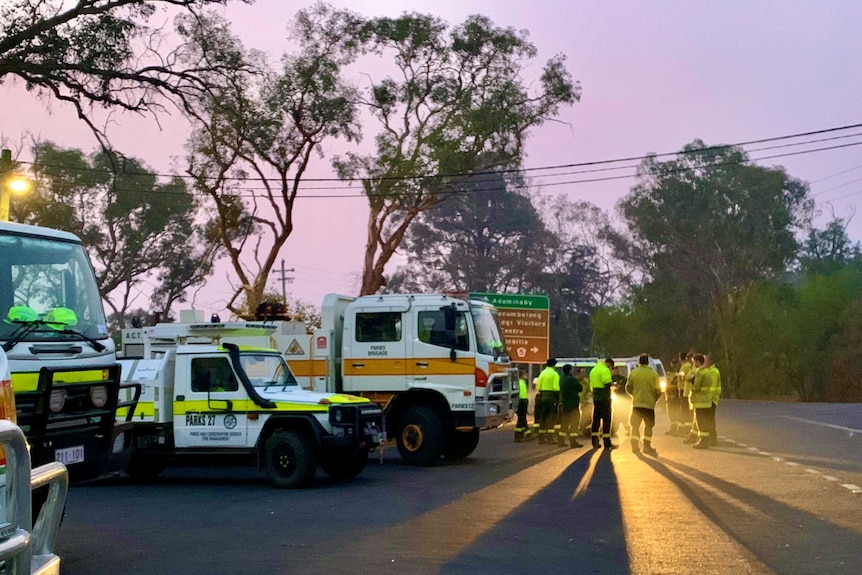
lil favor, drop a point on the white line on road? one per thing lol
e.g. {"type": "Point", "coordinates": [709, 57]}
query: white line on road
{"type": "Point", "coordinates": [839, 427]}
{"type": "Point", "coordinates": [766, 453]}
{"type": "Point", "coordinates": [852, 488]}
{"type": "Point", "coordinates": [830, 478]}
{"type": "Point", "coordinates": [811, 471]}
{"type": "Point", "coordinates": [792, 464]}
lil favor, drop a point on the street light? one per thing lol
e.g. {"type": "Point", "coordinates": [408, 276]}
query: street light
{"type": "Point", "coordinates": [9, 182]}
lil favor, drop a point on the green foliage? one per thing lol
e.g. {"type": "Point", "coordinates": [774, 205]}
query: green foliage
{"type": "Point", "coordinates": [103, 52]}
{"type": "Point", "coordinates": [268, 124]}
{"type": "Point", "coordinates": [132, 224]}
{"type": "Point", "coordinates": [457, 105]}
{"type": "Point", "coordinates": [714, 227]}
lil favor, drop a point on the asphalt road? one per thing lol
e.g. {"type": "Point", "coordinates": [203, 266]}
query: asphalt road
{"type": "Point", "coordinates": [780, 495]}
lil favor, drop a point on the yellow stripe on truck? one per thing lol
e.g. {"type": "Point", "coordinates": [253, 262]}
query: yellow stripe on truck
{"type": "Point", "coordinates": [243, 406]}
{"type": "Point", "coordinates": [307, 367]}
{"type": "Point", "coordinates": [29, 380]}
{"type": "Point", "coordinates": [411, 366]}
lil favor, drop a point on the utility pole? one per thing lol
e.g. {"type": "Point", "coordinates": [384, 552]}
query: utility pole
{"type": "Point", "coordinates": [285, 279]}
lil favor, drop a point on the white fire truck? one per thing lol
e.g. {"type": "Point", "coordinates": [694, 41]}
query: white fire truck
{"type": "Point", "coordinates": [437, 364]}
{"type": "Point", "coordinates": [203, 395]}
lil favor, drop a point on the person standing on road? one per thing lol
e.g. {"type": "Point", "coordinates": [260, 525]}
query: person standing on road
{"type": "Point", "coordinates": [570, 389]}
{"type": "Point", "coordinates": [600, 385]}
{"type": "Point", "coordinates": [686, 374]}
{"type": "Point", "coordinates": [672, 397]}
{"type": "Point", "coordinates": [715, 389]}
{"type": "Point", "coordinates": [586, 407]}
{"type": "Point", "coordinates": [701, 400]}
{"type": "Point", "coordinates": [522, 431]}
{"type": "Point", "coordinates": [548, 385]}
{"type": "Point", "coordinates": [644, 387]}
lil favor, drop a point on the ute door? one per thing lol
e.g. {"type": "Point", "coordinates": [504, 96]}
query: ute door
{"type": "Point", "coordinates": [433, 345]}
{"type": "Point", "coordinates": [374, 350]}
{"type": "Point", "coordinates": [211, 413]}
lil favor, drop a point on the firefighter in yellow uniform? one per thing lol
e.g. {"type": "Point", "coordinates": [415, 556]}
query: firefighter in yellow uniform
{"type": "Point", "coordinates": [643, 386]}
{"type": "Point", "coordinates": [701, 400]}
{"type": "Point", "coordinates": [686, 375]}
{"type": "Point", "coordinates": [548, 385]}
{"type": "Point", "coordinates": [522, 431]}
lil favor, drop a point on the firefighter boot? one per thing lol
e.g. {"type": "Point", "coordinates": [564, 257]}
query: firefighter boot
{"type": "Point", "coordinates": [519, 435]}
{"type": "Point", "coordinates": [636, 448]}
{"type": "Point", "coordinates": [648, 448]}
{"type": "Point", "coordinates": [596, 443]}
{"type": "Point", "coordinates": [561, 440]}
{"type": "Point", "coordinates": [573, 442]}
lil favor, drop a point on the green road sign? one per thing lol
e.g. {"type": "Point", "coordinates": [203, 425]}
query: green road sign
{"type": "Point", "coordinates": [514, 300]}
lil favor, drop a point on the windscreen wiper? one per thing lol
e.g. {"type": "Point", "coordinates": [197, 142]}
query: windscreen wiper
{"type": "Point", "coordinates": [97, 345]}
{"type": "Point", "coordinates": [23, 330]}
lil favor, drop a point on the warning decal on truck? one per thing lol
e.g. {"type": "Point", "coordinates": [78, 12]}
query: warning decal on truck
{"type": "Point", "coordinates": [294, 349]}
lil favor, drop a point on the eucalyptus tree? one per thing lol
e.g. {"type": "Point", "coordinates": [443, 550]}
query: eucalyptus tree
{"type": "Point", "coordinates": [457, 97]}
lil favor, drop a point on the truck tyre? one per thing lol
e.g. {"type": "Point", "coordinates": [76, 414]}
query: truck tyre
{"type": "Point", "coordinates": [145, 466]}
{"type": "Point", "coordinates": [344, 463]}
{"type": "Point", "coordinates": [420, 437]}
{"type": "Point", "coordinates": [290, 459]}
{"type": "Point", "coordinates": [461, 445]}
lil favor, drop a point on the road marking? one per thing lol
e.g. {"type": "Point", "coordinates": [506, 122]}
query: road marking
{"type": "Point", "coordinates": [754, 449]}
{"type": "Point", "coordinates": [792, 464]}
{"type": "Point", "coordinates": [766, 453]}
{"type": "Point", "coordinates": [811, 471]}
{"type": "Point", "coordinates": [777, 459]}
{"type": "Point", "coordinates": [839, 427]}
{"type": "Point", "coordinates": [830, 478]}
{"type": "Point", "coordinates": [852, 488]}
{"type": "Point", "coordinates": [742, 445]}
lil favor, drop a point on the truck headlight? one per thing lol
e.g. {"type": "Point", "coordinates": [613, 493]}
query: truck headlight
{"type": "Point", "coordinates": [57, 400]}
{"type": "Point", "coordinates": [99, 395]}
{"type": "Point", "coordinates": [340, 415]}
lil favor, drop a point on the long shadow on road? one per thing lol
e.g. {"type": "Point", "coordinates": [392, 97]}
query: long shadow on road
{"type": "Point", "coordinates": [562, 529]}
{"type": "Point", "coordinates": [786, 539]}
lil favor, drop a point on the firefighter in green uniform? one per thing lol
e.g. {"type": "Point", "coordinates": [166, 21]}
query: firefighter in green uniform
{"type": "Point", "coordinates": [570, 389]}
{"type": "Point", "coordinates": [522, 431]}
{"type": "Point", "coordinates": [548, 386]}
{"type": "Point", "coordinates": [701, 400]}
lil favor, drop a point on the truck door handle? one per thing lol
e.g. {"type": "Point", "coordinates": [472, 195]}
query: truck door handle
{"type": "Point", "coordinates": [358, 365]}
{"type": "Point", "coordinates": [422, 378]}
{"type": "Point", "coordinates": [422, 363]}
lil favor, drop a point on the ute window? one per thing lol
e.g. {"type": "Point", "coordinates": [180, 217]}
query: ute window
{"type": "Point", "coordinates": [213, 374]}
{"type": "Point", "coordinates": [378, 327]}
{"type": "Point", "coordinates": [432, 329]}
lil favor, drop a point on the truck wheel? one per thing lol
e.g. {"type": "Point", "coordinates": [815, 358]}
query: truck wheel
{"type": "Point", "coordinates": [461, 445]}
{"type": "Point", "coordinates": [344, 463]}
{"type": "Point", "coordinates": [145, 466]}
{"type": "Point", "coordinates": [290, 459]}
{"type": "Point", "coordinates": [420, 437]}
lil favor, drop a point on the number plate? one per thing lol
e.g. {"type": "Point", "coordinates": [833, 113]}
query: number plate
{"type": "Point", "coordinates": [70, 455]}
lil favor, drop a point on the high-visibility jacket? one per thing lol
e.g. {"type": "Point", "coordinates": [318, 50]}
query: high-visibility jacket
{"type": "Point", "coordinates": [523, 393]}
{"type": "Point", "coordinates": [701, 393]}
{"type": "Point", "coordinates": [600, 381]}
{"type": "Point", "coordinates": [643, 386]}
{"type": "Point", "coordinates": [685, 376]}
{"type": "Point", "coordinates": [714, 383]}
{"type": "Point", "coordinates": [549, 380]}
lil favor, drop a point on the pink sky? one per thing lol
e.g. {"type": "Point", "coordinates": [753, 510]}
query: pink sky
{"type": "Point", "coordinates": [655, 75]}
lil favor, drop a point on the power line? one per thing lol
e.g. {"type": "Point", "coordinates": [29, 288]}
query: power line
{"type": "Point", "coordinates": [524, 170]}
{"type": "Point", "coordinates": [551, 184]}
